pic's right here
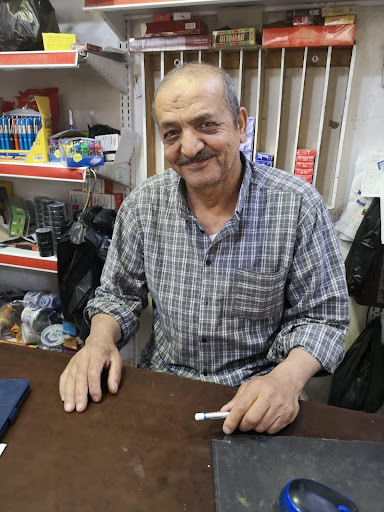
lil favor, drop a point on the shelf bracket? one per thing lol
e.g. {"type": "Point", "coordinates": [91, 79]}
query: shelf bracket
{"type": "Point", "coordinates": [113, 71]}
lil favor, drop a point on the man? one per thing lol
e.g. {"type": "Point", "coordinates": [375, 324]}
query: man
{"type": "Point", "coordinates": [240, 260]}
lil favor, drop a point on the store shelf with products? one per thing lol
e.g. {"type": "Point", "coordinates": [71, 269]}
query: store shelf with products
{"type": "Point", "coordinates": [110, 64]}
{"type": "Point", "coordinates": [31, 260]}
{"type": "Point", "coordinates": [49, 171]}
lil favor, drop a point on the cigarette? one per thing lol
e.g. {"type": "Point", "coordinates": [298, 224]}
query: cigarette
{"type": "Point", "coordinates": [211, 415]}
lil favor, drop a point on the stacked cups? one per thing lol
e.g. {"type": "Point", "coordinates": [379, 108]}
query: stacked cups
{"type": "Point", "coordinates": [58, 217]}
{"type": "Point", "coordinates": [44, 242]}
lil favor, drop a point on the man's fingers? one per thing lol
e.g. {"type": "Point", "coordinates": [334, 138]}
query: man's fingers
{"type": "Point", "coordinates": [114, 375]}
{"type": "Point", "coordinates": [69, 388]}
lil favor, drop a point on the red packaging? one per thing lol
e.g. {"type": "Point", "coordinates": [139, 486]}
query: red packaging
{"type": "Point", "coordinates": [162, 16]}
{"type": "Point", "coordinates": [298, 37]}
{"type": "Point", "coordinates": [175, 28]}
{"type": "Point", "coordinates": [118, 200]}
{"type": "Point", "coordinates": [306, 159]}
{"type": "Point", "coordinates": [304, 165]}
{"type": "Point", "coordinates": [301, 170]}
{"type": "Point", "coordinates": [302, 20]}
{"type": "Point", "coordinates": [27, 99]}
{"type": "Point", "coordinates": [108, 187]}
{"type": "Point", "coordinates": [304, 177]}
{"type": "Point", "coordinates": [306, 152]}
{"type": "Point", "coordinates": [178, 43]}
{"type": "Point", "coordinates": [7, 106]}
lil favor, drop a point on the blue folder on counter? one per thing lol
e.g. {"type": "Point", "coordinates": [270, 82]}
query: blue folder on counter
{"type": "Point", "coordinates": [13, 392]}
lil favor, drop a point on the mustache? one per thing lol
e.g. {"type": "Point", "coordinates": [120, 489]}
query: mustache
{"type": "Point", "coordinates": [200, 157]}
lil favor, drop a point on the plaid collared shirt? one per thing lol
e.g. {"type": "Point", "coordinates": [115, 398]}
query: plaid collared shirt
{"type": "Point", "coordinates": [223, 311]}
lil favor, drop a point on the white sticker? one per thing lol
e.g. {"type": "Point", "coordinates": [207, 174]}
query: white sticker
{"type": "Point", "coordinates": [2, 448]}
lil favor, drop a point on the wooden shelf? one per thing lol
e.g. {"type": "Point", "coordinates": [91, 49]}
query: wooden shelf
{"type": "Point", "coordinates": [49, 171]}
{"type": "Point", "coordinates": [20, 258]}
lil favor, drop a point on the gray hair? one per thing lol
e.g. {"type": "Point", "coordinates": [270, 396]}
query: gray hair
{"type": "Point", "coordinates": [195, 68]}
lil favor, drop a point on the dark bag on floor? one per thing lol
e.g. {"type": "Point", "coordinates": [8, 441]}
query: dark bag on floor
{"type": "Point", "coordinates": [358, 383]}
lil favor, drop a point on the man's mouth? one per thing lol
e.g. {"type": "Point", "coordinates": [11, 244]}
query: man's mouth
{"type": "Point", "coordinates": [196, 162]}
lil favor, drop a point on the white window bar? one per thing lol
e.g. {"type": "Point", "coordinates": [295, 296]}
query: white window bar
{"type": "Point", "coordinates": [199, 58]}
{"type": "Point", "coordinates": [240, 85]}
{"type": "Point", "coordinates": [162, 72]}
{"type": "Point", "coordinates": [220, 58]}
{"type": "Point", "coordinates": [322, 114]}
{"type": "Point", "coordinates": [258, 96]}
{"type": "Point", "coordinates": [342, 130]}
{"type": "Point", "coordinates": [300, 108]}
{"type": "Point", "coordinates": [181, 58]}
{"type": "Point", "coordinates": [279, 104]}
{"type": "Point", "coordinates": [141, 169]}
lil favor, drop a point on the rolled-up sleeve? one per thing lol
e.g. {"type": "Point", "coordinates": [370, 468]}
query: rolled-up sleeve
{"type": "Point", "coordinates": [123, 291]}
{"type": "Point", "coordinates": [316, 315]}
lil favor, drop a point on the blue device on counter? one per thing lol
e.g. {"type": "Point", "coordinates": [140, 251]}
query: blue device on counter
{"type": "Point", "coordinates": [303, 495]}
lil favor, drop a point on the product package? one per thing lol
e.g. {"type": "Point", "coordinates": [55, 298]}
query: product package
{"type": "Point", "coordinates": [175, 28]}
{"type": "Point", "coordinates": [177, 43]}
{"type": "Point", "coordinates": [81, 152]}
{"type": "Point", "coordinates": [235, 37]}
{"type": "Point", "coordinates": [301, 36]}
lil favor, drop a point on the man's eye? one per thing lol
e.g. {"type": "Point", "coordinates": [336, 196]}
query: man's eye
{"type": "Point", "coordinates": [169, 135]}
{"type": "Point", "coordinates": [207, 124]}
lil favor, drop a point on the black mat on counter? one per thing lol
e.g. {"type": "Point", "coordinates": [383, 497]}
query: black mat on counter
{"type": "Point", "coordinates": [250, 471]}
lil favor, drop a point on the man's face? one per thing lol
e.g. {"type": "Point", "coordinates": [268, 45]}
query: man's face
{"type": "Point", "coordinates": [200, 140]}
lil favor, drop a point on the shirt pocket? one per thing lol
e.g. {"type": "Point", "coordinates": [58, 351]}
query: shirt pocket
{"type": "Point", "coordinates": [258, 296]}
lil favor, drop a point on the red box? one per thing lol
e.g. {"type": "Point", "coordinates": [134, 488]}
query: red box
{"type": "Point", "coordinates": [118, 200]}
{"type": "Point", "coordinates": [302, 20]}
{"type": "Point", "coordinates": [175, 28]}
{"type": "Point", "coordinates": [162, 16]}
{"type": "Point", "coordinates": [304, 165]}
{"type": "Point", "coordinates": [298, 37]}
{"type": "Point", "coordinates": [306, 152]}
{"type": "Point", "coordinates": [108, 187]}
{"type": "Point", "coordinates": [304, 177]}
{"type": "Point", "coordinates": [305, 159]}
{"type": "Point", "coordinates": [303, 171]}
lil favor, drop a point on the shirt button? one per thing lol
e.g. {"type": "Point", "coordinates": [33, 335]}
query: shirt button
{"type": "Point", "coordinates": [204, 340]}
{"type": "Point", "coordinates": [202, 231]}
{"type": "Point", "coordinates": [205, 373]}
{"type": "Point", "coordinates": [208, 262]}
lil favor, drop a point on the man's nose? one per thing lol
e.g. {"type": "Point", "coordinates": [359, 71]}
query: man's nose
{"type": "Point", "coordinates": [191, 143]}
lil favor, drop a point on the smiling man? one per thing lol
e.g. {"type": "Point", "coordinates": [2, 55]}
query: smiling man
{"type": "Point", "coordinates": [241, 262]}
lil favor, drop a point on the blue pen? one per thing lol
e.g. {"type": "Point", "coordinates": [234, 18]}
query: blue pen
{"type": "Point", "coordinates": [29, 132]}
{"type": "Point", "coordinates": [24, 132]}
{"type": "Point", "coordinates": [36, 127]}
{"type": "Point", "coordinates": [11, 136]}
{"type": "Point", "coordinates": [6, 133]}
{"type": "Point", "coordinates": [2, 140]}
{"type": "Point", "coordinates": [20, 131]}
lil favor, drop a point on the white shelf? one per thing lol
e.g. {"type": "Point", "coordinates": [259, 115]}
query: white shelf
{"type": "Point", "coordinates": [31, 260]}
{"type": "Point", "coordinates": [112, 64]}
{"type": "Point", "coordinates": [49, 171]}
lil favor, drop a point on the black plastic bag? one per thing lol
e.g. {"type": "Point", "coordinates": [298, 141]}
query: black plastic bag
{"type": "Point", "coordinates": [23, 21]}
{"type": "Point", "coordinates": [81, 254]}
{"type": "Point", "coordinates": [364, 249]}
{"type": "Point", "coordinates": [358, 383]}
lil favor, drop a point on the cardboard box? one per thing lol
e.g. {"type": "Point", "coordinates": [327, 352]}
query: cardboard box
{"type": "Point", "coordinates": [348, 19]}
{"type": "Point", "coordinates": [175, 28]}
{"type": "Point", "coordinates": [177, 43]}
{"type": "Point", "coordinates": [235, 37]}
{"type": "Point", "coordinates": [306, 178]}
{"type": "Point", "coordinates": [162, 16]}
{"type": "Point", "coordinates": [86, 47]}
{"type": "Point", "coordinates": [305, 159]}
{"type": "Point", "coordinates": [338, 11]}
{"type": "Point", "coordinates": [109, 142]}
{"type": "Point", "coordinates": [306, 152]}
{"type": "Point", "coordinates": [298, 37]}
{"type": "Point", "coordinates": [305, 172]}
{"type": "Point", "coordinates": [177, 16]}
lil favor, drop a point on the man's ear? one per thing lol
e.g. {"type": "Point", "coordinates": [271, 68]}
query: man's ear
{"type": "Point", "coordinates": [242, 123]}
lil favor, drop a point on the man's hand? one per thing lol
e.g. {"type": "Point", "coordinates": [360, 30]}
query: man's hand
{"type": "Point", "coordinates": [83, 371]}
{"type": "Point", "coordinates": [270, 402]}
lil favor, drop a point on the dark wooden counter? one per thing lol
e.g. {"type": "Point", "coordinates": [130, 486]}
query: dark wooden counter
{"type": "Point", "coordinates": [139, 451]}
